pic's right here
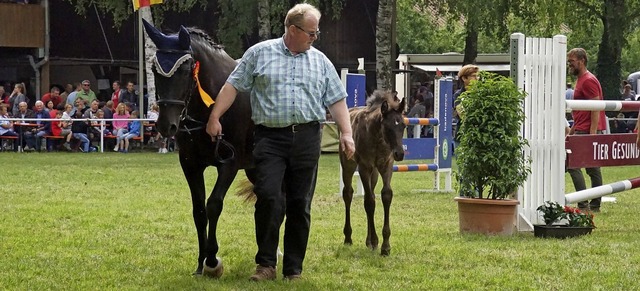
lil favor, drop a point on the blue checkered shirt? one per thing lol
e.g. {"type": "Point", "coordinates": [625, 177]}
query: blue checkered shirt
{"type": "Point", "coordinates": [285, 88]}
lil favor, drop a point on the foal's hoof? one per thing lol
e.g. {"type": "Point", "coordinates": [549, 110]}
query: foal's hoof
{"type": "Point", "coordinates": [215, 272]}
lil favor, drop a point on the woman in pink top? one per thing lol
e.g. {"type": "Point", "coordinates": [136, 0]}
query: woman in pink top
{"type": "Point", "coordinates": [120, 126]}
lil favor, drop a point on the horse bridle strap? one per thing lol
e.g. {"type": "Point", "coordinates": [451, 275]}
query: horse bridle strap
{"type": "Point", "coordinates": [171, 102]}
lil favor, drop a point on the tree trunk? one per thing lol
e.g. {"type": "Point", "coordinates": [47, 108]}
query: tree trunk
{"type": "Point", "coordinates": [470, 44]}
{"type": "Point", "coordinates": [609, 68]}
{"type": "Point", "coordinates": [383, 45]}
{"type": "Point", "coordinates": [149, 51]}
{"type": "Point", "coordinates": [264, 20]}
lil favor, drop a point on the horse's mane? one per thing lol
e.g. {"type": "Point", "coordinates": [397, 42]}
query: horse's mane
{"type": "Point", "coordinates": [203, 37]}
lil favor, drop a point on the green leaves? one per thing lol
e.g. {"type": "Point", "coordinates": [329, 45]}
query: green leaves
{"type": "Point", "coordinates": [490, 156]}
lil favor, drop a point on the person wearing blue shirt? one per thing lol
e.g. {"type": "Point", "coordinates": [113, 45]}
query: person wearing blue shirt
{"type": "Point", "coordinates": [133, 129]}
{"type": "Point", "coordinates": [290, 84]}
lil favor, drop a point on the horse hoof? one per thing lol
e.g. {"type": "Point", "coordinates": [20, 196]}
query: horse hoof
{"type": "Point", "coordinates": [198, 272]}
{"type": "Point", "coordinates": [215, 272]}
{"type": "Point", "coordinates": [348, 242]}
{"type": "Point", "coordinates": [385, 253]}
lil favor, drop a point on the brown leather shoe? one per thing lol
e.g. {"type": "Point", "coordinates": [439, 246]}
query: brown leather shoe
{"type": "Point", "coordinates": [264, 273]}
{"type": "Point", "coordinates": [293, 277]}
{"type": "Point", "coordinates": [215, 272]}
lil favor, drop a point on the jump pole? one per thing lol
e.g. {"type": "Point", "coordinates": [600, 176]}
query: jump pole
{"type": "Point", "coordinates": [603, 190]}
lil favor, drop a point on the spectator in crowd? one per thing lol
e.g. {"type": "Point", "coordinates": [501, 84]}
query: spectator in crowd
{"type": "Point", "coordinates": [120, 126]}
{"type": "Point", "coordinates": [23, 112]}
{"type": "Point", "coordinates": [61, 128]}
{"type": "Point", "coordinates": [418, 110]}
{"type": "Point", "coordinates": [52, 110]}
{"type": "Point", "coordinates": [53, 95]}
{"type": "Point", "coordinates": [133, 130]}
{"type": "Point", "coordinates": [4, 97]}
{"type": "Point", "coordinates": [34, 136]}
{"type": "Point", "coordinates": [79, 128]}
{"type": "Point", "coordinates": [79, 106]}
{"type": "Point", "coordinates": [466, 75]}
{"type": "Point", "coordinates": [586, 122]}
{"type": "Point", "coordinates": [568, 95]}
{"type": "Point", "coordinates": [618, 125]}
{"type": "Point", "coordinates": [627, 95]}
{"type": "Point", "coordinates": [155, 135]}
{"type": "Point", "coordinates": [71, 98]}
{"type": "Point", "coordinates": [86, 93]}
{"type": "Point", "coordinates": [18, 96]}
{"type": "Point", "coordinates": [67, 90]}
{"type": "Point", "coordinates": [6, 126]}
{"type": "Point", "coordinates": [92, 110]}
{"type": "Point", "coordinates": [129, 96]}
{"type": "Point", "coordinates": [117, 92]}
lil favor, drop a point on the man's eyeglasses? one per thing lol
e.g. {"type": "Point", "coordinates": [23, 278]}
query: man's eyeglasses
{"type": "Point", "coordinates": [310, 34]}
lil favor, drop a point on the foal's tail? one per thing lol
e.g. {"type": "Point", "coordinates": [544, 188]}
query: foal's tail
{"type": "Point", "coordinates": [245, 190]}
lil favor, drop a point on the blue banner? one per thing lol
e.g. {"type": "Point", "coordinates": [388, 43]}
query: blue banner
{"type": "Point", "coordinates": [445, 136]}
{"type": "Point", "coordinates": [356, 90]}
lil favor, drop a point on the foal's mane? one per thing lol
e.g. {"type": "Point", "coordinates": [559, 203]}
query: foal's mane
{"type": "Point", "coordinates": [378, 97]}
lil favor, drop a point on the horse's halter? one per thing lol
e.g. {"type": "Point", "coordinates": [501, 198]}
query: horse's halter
{"type": "Point", "coordinates": [184, 115]}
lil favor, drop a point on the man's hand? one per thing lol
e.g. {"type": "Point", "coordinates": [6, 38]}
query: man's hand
{"type": "Point", "coordinates": [347, 144]}
{"type": "Point", "coordinates": [214, 128]}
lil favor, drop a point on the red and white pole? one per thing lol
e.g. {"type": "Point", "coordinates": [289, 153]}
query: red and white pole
{"type": "Point", "coordinates": [602, 190]}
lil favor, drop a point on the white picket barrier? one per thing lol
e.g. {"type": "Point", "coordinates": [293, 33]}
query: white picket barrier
{"type": "Point", "coordinates": [538, 66]}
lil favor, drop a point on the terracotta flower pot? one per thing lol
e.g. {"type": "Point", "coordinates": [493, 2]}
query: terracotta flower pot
{"type": "Point", "coordinates": [487, 216]}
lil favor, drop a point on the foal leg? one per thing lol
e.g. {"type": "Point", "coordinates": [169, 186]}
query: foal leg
{"type": "Point", "coordinates": [386, 196]}
{"type": "Point", "coordinates": [195, 178]}
{"type": "Point", "coordinates": [369, 177]}
{"type": "Point", "coordinates": [348, 168]}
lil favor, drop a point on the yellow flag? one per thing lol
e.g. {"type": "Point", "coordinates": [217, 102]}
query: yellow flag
{"type": "Point", "coordinates": [144, 3]}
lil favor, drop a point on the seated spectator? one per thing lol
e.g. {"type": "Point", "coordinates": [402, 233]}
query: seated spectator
{"type": "Point", "coordinates": [34, 136]}
{"type": "Point", "coordinates": [61, 128]}
{"type": "Point", "coordinates": [79, 129]}
{"type": "Point", "coordinates": [52, 110]}
{"type": "Point", "coordinates": [119, 127]}
{"type": "Point", "coordinates": [133, 130]}
{"type": "Point", "coordinates": [91, 111]}
{"type": "Point", "coordinates": [108, 112]}
{"type": "Point", "coordinates": [155, 135]}
{"type": "Point", "coordinates": [6, 127]}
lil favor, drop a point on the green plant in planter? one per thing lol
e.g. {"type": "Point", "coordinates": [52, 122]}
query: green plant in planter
{"type": "Point", "coordinates": [490, 158]}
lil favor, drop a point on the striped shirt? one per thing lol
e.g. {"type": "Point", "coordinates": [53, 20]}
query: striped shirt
{"type": "Point", "coordinates": [286, 89]}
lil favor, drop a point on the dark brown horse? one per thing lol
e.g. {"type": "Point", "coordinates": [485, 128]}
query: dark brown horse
{"type": "Point", "coordinates": [184, 113]}
{"type": "Point", "coordinates": [377, 132]}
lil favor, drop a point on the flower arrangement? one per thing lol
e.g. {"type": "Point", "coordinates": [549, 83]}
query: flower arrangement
{"type": "Point", "coordinates": [554, 212]}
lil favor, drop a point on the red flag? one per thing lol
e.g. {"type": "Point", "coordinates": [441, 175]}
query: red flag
{"type": "Point", "coordinates": [144, 3]}
{"type": "Point", "coordinates": [438, 73]}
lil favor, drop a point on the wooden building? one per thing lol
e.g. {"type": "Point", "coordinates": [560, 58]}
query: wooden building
{"type": "Point", "coordinates": [46, 42]}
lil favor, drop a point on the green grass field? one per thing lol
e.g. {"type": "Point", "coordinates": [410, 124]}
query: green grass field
{"type": "Point", "coordinates": [123, 222]}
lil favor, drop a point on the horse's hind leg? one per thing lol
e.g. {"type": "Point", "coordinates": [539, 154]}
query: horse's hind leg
{"type": "Point", "coordinates": [386, 196]}
{"type": "Point", "coordinates": [195, 179]}
{"type": "Point", "coordinates": [369, 179]}
{"type": "Point", "coordinates": [348, 168]}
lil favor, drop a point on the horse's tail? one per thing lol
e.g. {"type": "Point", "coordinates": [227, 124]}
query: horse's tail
{"type": "Point", "coordinates": [245, 190]}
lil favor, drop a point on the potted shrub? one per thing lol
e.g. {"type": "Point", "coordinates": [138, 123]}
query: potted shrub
{"type": "Point", "coordinates": [576, 222]}
{"type": "Point", "coordinates": [490, 157]}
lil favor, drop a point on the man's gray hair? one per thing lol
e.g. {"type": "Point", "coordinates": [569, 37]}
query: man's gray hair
{"type": "Point", "coordinates": [297, 13]}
